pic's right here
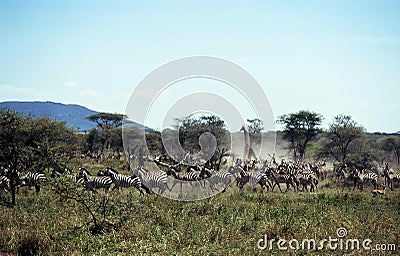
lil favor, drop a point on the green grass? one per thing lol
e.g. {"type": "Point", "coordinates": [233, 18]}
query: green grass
{"type": "Point", "coordinates": [229, 223]}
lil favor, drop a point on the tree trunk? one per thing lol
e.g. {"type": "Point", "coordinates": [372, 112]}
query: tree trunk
{"type": "Point", "coordinates": [12, 191]}
{"type": "Point", "coordinates": [302, 151]}
{"type": "Point", "coordinates": [13, 178]}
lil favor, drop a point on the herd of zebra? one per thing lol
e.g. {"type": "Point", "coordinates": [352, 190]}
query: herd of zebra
{"type": "Point", "coordinates": [30, 179]}
{"type": "Point", "coordinates": [296, 176]}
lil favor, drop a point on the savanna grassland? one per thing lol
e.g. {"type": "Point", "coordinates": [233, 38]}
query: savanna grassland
{"type": "Point", "coordinates": [229, 223]}
{"type": "Point", "coordinates": [64, 218]}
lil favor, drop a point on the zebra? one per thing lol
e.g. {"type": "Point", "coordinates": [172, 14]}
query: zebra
{"type": "Point", "coordinates": [308, 178]}
{"type": "Point", "coordinates": [397, 178]}
{"type": "Point", "coordinates": [190, 175]}
{"type": "Point", "coordinates": [4, 183]}
{"type": "Point", "coordinates": [278, 178]}
{"type": "Point", "coordinates": [390, 176]}
{"type": "Point", "coordinates": [253, 178]}
{"type": "Point", "coordinates": [124, 181]}
{"type": "Point", "coordinates": [31, 179]}
{"type": "Point", "coordinates": [182, 177]}
{"type": "Point", "coordinates": [223, 177]}
{"type": "Point", "coordinates": [366, 177]}
{"type": "Point", "coordinates": [349, 179]}
{"type": "Point", "coordinates": [157, 179]}
{"type": "Point", "coordinates": [319, 170]}
{"type": "Point", "coordinates": [94, 182]}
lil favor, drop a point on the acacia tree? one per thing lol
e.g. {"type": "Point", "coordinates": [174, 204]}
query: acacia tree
{"type": "Point", "coordinates": [343, 133]}
{"type": "Point", "coordinates": [106, 120]}
{"type": "Point", "coordinates": [255, 127]}
{"type": "Point", "coordinates": [189, 131]}
{"type": "Point", "coordinates": [300, 129]}
{"type": "Point", "coordinates": [109, 125]}
{"type": "Point", "coordinates": [190, 128]}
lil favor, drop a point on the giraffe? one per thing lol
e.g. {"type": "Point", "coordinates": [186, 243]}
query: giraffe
{"type": "Point", "coordinates": [248, 150]}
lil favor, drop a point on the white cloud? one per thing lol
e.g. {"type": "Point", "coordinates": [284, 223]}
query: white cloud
{"type": "Point", "coordinates": [70, 84]}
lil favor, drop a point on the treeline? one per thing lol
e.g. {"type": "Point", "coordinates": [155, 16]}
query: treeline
{"type": "Point", "coordinates": [34, 145]}
{"type": "Point", "coordinates": [41, 144]}
{"type": "Point", "coordinates": [344, 142]}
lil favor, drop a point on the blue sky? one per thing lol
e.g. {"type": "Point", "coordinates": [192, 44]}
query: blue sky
{"type": "Point", "coordinates": [331, 57]}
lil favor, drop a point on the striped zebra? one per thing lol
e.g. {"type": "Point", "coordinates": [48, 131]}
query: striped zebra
{"type": "Point", "coordinates": [31, 179]}
{"type": "Point", "coordinates": [364, 178]}
{"type": "Point", "coordinates": [226, 178]}
{"type": "Point", "coordinates": [390, 176]}
{"type": "Point", "coordinates": [184, 177]}
{"type": "Point", "coordinates": [123, 181]}
{"type": "Point", "coordinates": [306, 178]}
{"type": "Point", "coordinates": [318, 169]}
{"type": "Point", "coordinates": [157, 179]}
{"type": "Point", "coordinates": [397, 178]}
{"type": "Point", "coordinates": [348, 179]}
{"type": "Point", "coordinates": [223, 177]}
{"type": "Point", "coordinates": [280, 178]}
{"type": "Point", "coordinates": [192, 175]}
{"type": "Point", "coordinates": [4, 183]}
{"type": "Point", "coordinates": [253, 178]}
{"type": "Point", "coordinates": [94, 182]}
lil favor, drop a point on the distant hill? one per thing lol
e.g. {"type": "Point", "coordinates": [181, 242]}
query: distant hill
{"type": "Point", "coordinates": [74, 115]}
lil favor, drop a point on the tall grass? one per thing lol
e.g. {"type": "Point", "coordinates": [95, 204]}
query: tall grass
{"type": "Point", "coordinates": [229, 223]}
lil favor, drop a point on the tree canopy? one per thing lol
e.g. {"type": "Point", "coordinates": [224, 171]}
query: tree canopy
{"type": "Point", "coordinates": [342, 135]}
{"type": "Point", "coordinates": [299, 129]}
{"type": "Point", "coordinates": [255, 126]}
{"type": "Point", "coordinates": [110, 134]}
{"type": "Point", "coordinates": [33, 144]}
{"type": "Point", "coordinates": [391, 145]}
{"type": "Point", "coordinates": [107, 120]}
{"type": "Point", "coordinates": [190, 128]}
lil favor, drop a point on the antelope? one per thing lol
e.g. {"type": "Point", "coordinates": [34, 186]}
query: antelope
{"type": "Point", "coordinates": [379, 191]}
